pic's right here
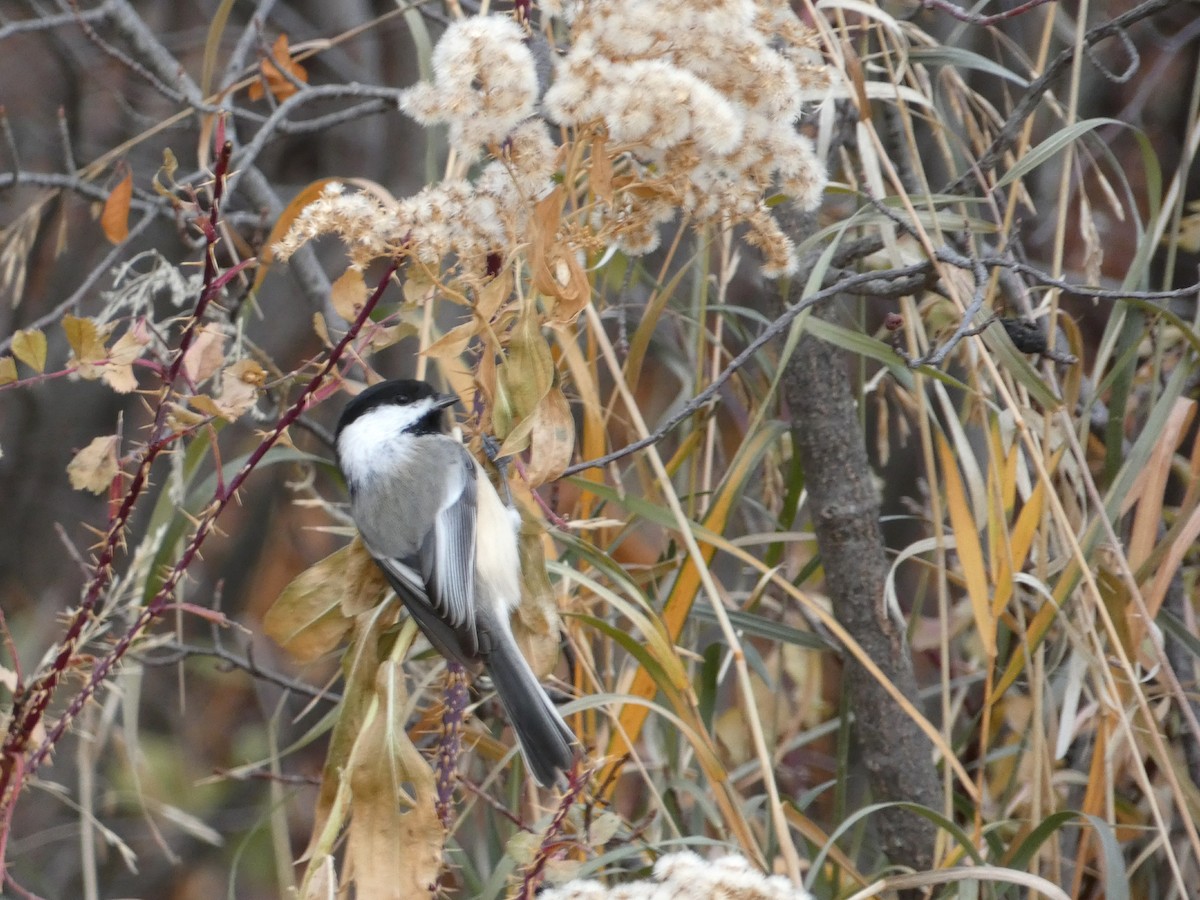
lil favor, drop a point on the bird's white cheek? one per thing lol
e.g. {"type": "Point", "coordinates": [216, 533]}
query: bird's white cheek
{"type": "Point", "coordinates": [371, 444]}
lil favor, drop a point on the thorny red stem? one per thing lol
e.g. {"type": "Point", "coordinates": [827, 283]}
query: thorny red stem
{"type": "Point", "coordinates": [29, 705]}
{"type": "Point", "coordinates": [971, 18]}
{"type": "Point", "coordinates": [30, 702]}
{"type": "Point", "coordinates": [535, 873]}
{"type": "Point", "coordinates": [162, 600]}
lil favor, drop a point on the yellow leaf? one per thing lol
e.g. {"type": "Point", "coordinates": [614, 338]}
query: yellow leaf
{"type": "Point", "coordinates": [114, 220]}
{"type": "Point", "coordinates": [321, 329]}
{"type": "Point", "coordinates": [1188, 235]}
{"type": "Point", "coordinates": [970, 553]}
{"type": "Point", "coordinates": [572, 289]}
{"type": "Point", "coordinates": [166, 172]}
{"type": "Point", "coordinates": [360, 665]}
{"type": "Point", "coordinates": [543, 236]}
{"type": "Point", "coordinates": [1025, 528]}
{"type": "Point", "coordinates": [86, 340]}
{"type": "Point", "coordinates": [536, 624]}
{"type": "Point", "coordinates": [30, 348]}
{"type": "Point", "coordinates": [490, 297]}
{"type": "Point", "coordinates": [517, 440]}
{"type": "Point", "coordinates": [363, 584]}
{"type": "Point", "coordinates": [389, 336]}
{"type": "Point", "coordinates": [417, 288]}
{"type": "Point", "coordinates": [1151, 484]}
{"type": "Point", "coordinates": [307, 619]}
{"type": "Point", "coordinates": [600, 172]}
{"type": "Point", "coordinates": [8, 370]}
{"type": "Point", "coordinates": [454, 341]}
{"type": "Point", "coordinates": [180, 418]}
{"type": "Point", "coordinates": [206, 405]}
{"type": "Point", "coordinates": [525, 376]}
{"type": "Point", "coordinates": [999, 551]}
{"type": "Point", "coordinates": [522, 847]}
{"type": "Point", "coordinates": [95, 466]}
{"type": "Point", "coordinates": [349, 293]}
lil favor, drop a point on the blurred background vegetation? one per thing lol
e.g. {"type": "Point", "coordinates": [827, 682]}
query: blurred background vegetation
{"type": "Point", "coordinates": [1017, 657]}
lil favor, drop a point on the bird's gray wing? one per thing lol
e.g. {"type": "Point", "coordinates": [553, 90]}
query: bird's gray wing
{"type": "Point", "coordinates": [420, 527]}
{"type": "Point", "coordinates": [411, 590]}
{"type": "Point", "coordinates": [448, 551]}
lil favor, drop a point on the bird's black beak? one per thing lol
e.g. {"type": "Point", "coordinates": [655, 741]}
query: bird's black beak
{"type": "Point", "coordinates": [441, 401]}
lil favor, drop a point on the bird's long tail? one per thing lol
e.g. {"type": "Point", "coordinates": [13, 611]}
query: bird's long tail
{"type": "Point", "coordinates": [546, 741]}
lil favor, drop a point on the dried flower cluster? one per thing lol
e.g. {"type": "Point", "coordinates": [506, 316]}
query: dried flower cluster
{"type": "Point", "coordinates": [690, 106]}
{"type": "Point", "coordinates": [485, 83]}
{"type": "Point", "coordinates": [686, 876]}
{"type": "Point", "coordinates": [699, 94]}
{"type": "Point", "coordinates": [468, 219]}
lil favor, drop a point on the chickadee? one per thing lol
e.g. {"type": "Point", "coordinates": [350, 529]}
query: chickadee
{"type": "Point", "coordinates": [448, 545]}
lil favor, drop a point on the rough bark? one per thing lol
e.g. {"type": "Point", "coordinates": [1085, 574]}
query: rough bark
{"type": "Point", "coordinates": [845, 511]}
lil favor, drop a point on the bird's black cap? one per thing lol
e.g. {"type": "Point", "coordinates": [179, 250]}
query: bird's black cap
{"type": "Point", "coordinates": [399, 392]}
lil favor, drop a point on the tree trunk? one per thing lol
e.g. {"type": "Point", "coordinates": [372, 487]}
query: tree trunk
{"type": "Point", "coordinates": [844, 507]}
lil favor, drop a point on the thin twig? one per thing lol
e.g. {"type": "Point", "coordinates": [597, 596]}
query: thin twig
{"type": "Point", "coordinates": [971, 18]}
{"type": "Point", "coordinates": [46, 23]}
{"type": "Point", "coordinates": [10, 140]}
{"type": "Point", "coordinates": [64, 135]}
{"type": "Point", "coordinates": [247, 155]}
{"type": "Point", "coordinates": [148, 49]}
{"type": "Point", "coordinates": [1028, 103]}
{"type": "Point", "coordinates": [80, 185]}
{"type": "Point", "coordinates": [95, 273]}
{"type": "Point", "coordinates": [246, 40]}
{"type": "Point", "coordinates": [772, 331]}
{"type": "Point", "coordinates": [177, 652]}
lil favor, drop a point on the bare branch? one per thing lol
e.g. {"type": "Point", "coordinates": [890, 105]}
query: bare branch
{"type": "Point", "coordinates": [177, 652]}
{"type": "Point", "coordinates": [47, 23]}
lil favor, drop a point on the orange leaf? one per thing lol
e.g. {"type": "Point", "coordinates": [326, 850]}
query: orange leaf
{"type": "Point", "coordinates": [349, 293]}
{"type": "Point", "coordinates": [273, 68]}
{"type": "Point", "coordinates": [306, 196]}
{"type": "Point", "coordinates": [115, 219]}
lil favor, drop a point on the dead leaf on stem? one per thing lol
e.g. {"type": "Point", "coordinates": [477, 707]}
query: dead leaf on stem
{"type": "Point", "coordinates": [394, 844]}
{"type": "Point", "coordinates": [95, 466]}
{"type": "Point", "coordinates": [30, 348]}
{"type": "Point", "coordinates": [273, 67]}
{"type": "Point", "coordinates": [525, 376]}
{"type": "Point", "coordinates": [86, 340]}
